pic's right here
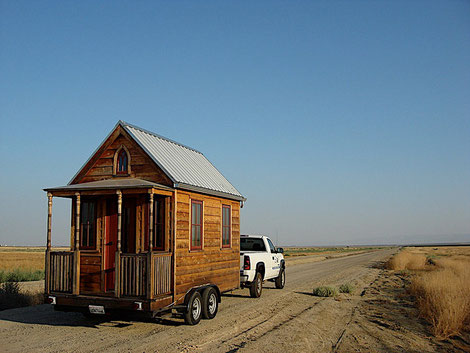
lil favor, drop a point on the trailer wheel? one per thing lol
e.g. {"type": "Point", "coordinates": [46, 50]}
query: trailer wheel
{"type": "Point", "coordinates": [281, 279]}
{"type": "Point", "coordinates": [210, 303]}
{"type": "Point", "coordinates": [192, 315]}
{"type": "Point", "coordinates": [257, 286]}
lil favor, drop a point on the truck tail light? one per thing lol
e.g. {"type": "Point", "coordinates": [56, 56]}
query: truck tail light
{"type": "Point", "coordinates": [246, 263]}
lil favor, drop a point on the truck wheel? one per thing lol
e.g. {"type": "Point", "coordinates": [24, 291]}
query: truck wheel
{"type": "Point", "coordinates": [281, 279]}
{"type": "Point", "coordinates": [210, 303]}
{"type": "Point", "coordinates": [192, 315]}
{"type": "Point", "coordinates": [257, 286]}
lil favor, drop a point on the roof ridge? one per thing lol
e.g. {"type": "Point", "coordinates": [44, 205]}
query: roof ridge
{"type": "Point", "coordinates": [121, 122]}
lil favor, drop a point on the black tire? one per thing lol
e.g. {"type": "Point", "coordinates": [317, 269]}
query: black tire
{"type": "Point", "coordinates": [193, 313]}
{"type": "Point", "coordinates": [281, 279]}
{"type": "Point", "coordinates": [210, 303]}
{"type": "Point", "coordinates": [256, 286]}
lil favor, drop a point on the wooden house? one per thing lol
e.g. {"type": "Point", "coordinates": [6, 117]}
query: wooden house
{"type": "Point", "coordinates": [154, 226]}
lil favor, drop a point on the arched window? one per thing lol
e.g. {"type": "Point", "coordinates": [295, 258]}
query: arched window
{"type": "Point", "coordinates": [122, 162]}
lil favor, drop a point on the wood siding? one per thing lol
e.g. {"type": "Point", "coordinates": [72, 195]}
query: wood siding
{"type": "Point", "coordinates": [212, 264]}
{"type": "Point", "coordinates": [101, 165]}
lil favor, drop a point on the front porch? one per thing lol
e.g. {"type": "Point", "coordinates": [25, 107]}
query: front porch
{"type": "Point", "coordinates": [146, 275]}
{"type": "Point", "coordinates": [121, 244]}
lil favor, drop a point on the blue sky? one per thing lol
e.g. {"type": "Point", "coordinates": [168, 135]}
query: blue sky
{"type": "Point", "coordinates": [342, 122]}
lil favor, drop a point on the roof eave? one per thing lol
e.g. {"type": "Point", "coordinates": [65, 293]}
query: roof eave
{"type": "Point", "coordinates": [211, 192]}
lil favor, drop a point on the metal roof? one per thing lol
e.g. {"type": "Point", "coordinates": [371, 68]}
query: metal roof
{"type": "Point", "coordinates": [119, 183]}
{"type": "Point", "coordinates": [187, 168]}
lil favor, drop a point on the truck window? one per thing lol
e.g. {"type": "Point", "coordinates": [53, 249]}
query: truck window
{"type": "Point", "coordinates": [252, 244]}
{"type": "Point", "coordinates": [271, 246]}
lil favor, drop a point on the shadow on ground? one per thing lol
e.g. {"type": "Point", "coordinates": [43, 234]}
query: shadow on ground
{"type": "Point", "coordinates": [46, 315]}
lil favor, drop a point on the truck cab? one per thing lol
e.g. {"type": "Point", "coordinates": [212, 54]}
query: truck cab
{"type": "Point", "coordinates": [260, 261]}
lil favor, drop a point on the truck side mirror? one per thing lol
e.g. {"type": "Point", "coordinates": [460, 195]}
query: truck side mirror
{"type": "Point", "coordinates": [280, 250]}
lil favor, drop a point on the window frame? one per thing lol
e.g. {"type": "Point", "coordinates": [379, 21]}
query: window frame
{"type": "Point", "coordinates": [121, 152]}
{"type": "Point", "coordinates": [200, 247]}
{"type": "Point", "coordinates": [161, 202]}
{"type": "Point", "coordinates": [95, 226]}
{"type": "Point", "coordinates": [229, 226]}
{"type": "Point", "coordinates": [272, 248]}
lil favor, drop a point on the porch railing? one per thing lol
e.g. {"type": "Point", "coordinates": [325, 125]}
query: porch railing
{"type": "Point", "coordinates": [161, 272]}
{"type": "Point", "coordinates": [133, 275]}
{"type": "Point", "coordinates": [61, 271]}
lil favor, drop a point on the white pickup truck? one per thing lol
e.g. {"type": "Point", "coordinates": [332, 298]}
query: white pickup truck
{"type": "Point", "coordinates": [260, 261]}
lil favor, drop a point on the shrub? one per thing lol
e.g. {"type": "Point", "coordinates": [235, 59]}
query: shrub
{"type": "Point", "coordinates": [21, 275]}
{"type": "Point", "coordinates": [325, 291]}
{"type": "Point", "coordinates": [11, 296]}
{"type": "Point", "coordinates": [346, 288]}
{"type": "Point", "coordinates": [443, 297]}
{"type": "Point", "coordinates": [431, 260]}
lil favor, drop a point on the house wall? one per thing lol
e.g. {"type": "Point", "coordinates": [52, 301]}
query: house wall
{"type": "Point", "coordinates": [212, 264]}
{"type": "Point", "coordinates": [100, 167]}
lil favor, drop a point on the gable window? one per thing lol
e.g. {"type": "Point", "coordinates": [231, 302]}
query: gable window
{"type": "Point", "coordinates": [122, 162]}
{"type": "Point", "coordinates": [87, 225]}
{"type": "Point", "coordinates": [196, 225]}
{"type": "Point", "coordinates": [226, 211]}
{"type": "Point", "coordinates": [158, 226]}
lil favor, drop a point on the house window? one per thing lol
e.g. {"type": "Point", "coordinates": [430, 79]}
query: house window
{"type": "Point", "coordinates": [158, 224]}
{"type": "Point", "coordinates": [122, 162]}
{"type": "Point", "coordinates": [196, 225]}
{"type": "Point", "coordinates": [87, 225]}
{"type": "Point", "coordinates": [226, 226]}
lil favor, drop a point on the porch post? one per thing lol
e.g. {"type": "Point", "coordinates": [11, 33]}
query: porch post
{"type": "Point", "coordinates": [48, 244]}
{"type": "Point", "coordinates": [77, 222]}
{"type": "Point", "coordinates": [76, 253]}
{"type": "Point", "coordinates": [117, 264]}
{"type": "Point", "coordinates": [173, 240]}
{"type": "Point", "coordinates": [150, 221]}
{"type": "Point", "coordinates": [150, 274]}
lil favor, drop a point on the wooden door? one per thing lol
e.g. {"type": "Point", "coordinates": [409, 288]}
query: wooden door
{"type": "Point", "coordinates": [110, 245]}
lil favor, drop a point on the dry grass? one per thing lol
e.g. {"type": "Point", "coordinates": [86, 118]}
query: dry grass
{"type": "Point", "coordinates": [24, 260]}
{"type": "Point", "coordinates": [22, 263]}
{"type": "Point", "coordinates": [442, 291]}
{"type": "Point", "coordinates": [443, 296]}
{"type": "Point", "coordinates": [405, 260]}
{"type": "Point", "coordinates": [28, 258]}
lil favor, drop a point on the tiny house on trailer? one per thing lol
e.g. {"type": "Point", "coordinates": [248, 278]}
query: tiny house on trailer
{"type": "Point", "coordinates": [154, 227]}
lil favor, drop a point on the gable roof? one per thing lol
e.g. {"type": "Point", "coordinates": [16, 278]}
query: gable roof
{"type": "Point", "coordinates": [187, 168]}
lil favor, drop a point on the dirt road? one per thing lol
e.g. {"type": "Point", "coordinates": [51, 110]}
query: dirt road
{"type": "Point", "coordinates": [287, 320]}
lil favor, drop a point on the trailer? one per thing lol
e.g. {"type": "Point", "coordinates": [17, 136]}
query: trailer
{"type": "Point", "coordinates": [155, 227]}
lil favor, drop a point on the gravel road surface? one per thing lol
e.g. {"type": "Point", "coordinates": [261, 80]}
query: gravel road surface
{"type": "Point", "coordinates": [287, 320]}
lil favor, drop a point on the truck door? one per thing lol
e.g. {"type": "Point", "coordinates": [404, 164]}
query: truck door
{"type": "Point", "coordinates": [274, 263]}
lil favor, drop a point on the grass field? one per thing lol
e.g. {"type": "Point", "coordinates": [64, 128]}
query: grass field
{"type": "Point", "coordinates": [440, 283]}
{"type": "Point", "coordinates": [22, 263]}
{"type": "Point", "coordinates": [304, 251]}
